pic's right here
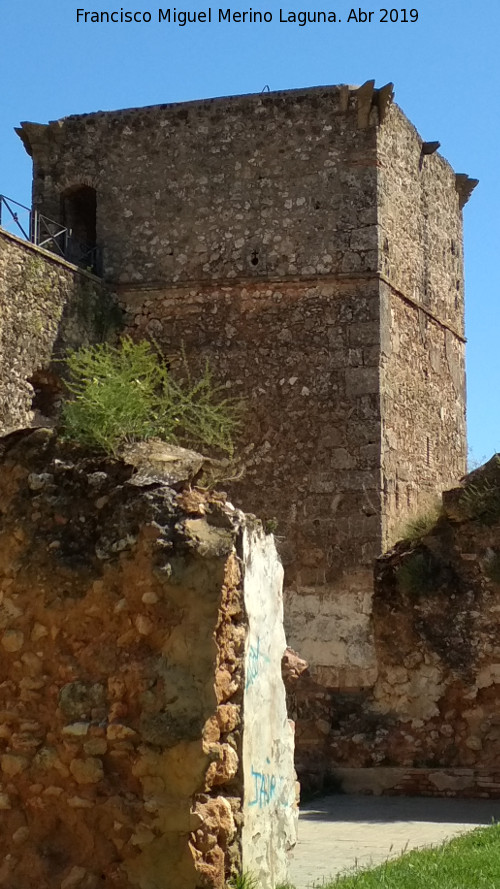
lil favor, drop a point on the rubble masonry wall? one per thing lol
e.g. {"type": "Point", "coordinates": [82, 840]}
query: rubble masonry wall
{"type": "Point", "coordinates": [47, 305]}
{"type": "Point", "coordinates": [124, 654]}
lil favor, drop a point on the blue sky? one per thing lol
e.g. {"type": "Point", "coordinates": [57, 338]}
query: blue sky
{"type": "Point", "coordinates": [445, 68]}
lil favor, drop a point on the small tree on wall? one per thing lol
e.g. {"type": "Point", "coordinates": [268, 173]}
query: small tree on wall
{"type": "Point", "coordinates": [125, 393]}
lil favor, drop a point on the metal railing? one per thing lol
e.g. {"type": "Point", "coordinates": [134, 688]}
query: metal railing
{"type": "Point", "coordinates": [49, 234]}
{"type": "Point", "coordinates": [8, 207]}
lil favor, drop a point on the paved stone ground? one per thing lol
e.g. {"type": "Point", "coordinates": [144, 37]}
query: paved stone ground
{"type": "Point", "coordinates": [341, 832]}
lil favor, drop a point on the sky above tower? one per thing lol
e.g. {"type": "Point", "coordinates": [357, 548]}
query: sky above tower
{"type": "Point", "coordinates": [442, 57]}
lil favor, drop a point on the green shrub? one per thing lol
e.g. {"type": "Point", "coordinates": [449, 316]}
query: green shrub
{"type": "Point", "coordinates": [271, 525]}
{"type": "Point", "coordinates": [126, 393]}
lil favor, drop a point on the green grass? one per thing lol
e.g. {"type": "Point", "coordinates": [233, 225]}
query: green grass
{"type": "Point", "coordinates": [467, 862]}
{"type": "Point", "coordinates": [243, 881]}
{"type": "Point", "coordinates": [471, 861]}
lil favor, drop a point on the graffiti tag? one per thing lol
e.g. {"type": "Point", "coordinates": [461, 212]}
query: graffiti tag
{"type": "Point", "coordinates": [267, 787]}
{"type": "Point", "coordinates": [255, 661]}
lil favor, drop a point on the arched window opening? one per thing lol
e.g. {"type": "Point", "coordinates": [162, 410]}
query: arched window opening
{"type": "Point", "coordinates": [79, 213]}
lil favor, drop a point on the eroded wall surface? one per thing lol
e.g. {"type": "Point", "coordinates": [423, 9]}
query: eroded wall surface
{"type": "Point", "coordinates": [422, 322]}
{"type": "Point", "coordinates": [123, 631]}
{"type": "Point", "coordinates": [269, 805]}
{"type": "Point", "coordinates": [431, 723]}
{"type": "Point", "coordinates": [47, 305]}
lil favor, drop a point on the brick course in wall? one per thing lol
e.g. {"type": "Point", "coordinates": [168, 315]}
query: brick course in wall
{"type": "Point", "coordinates": [462, 783]}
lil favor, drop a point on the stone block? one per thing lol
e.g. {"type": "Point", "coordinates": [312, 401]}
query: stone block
{"type": "Point", "coordinates": [361, 381]}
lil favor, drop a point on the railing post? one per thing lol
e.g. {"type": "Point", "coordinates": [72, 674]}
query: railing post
{"type": "Point", "coordinates": [47, 233]}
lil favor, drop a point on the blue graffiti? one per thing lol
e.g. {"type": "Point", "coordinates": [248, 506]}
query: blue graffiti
{"type": "Point", "coordinates": [255, 661]}
{"type": "Point", "coordinates": [268, 787]}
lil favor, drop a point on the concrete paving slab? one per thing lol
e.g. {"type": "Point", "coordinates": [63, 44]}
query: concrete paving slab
{"type": "Point", "coordinates": [338, 833]}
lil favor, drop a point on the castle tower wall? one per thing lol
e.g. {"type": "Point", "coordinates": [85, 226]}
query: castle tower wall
{"type": "Point", "coordinates": [304, 245]}
{"type": "Point", "coordinates": [422, 311]}
{"type": "Point", "coordinates": [310, 443]}
{"type": "Point", "coordinates": [278, 185]}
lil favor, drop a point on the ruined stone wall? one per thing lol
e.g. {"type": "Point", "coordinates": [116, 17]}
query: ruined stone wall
{"type": "Point", "coordinates": [47, 305]}
{"type": "Point", "coordinates": [431, 721]}
{"type": "Point", "coordinates": [126, 634]}
{"type": "Point", "coordinates": [422, 322]}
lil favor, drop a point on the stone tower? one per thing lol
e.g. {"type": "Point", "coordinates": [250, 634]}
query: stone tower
{"type": "Point", "coordinates": [309, 245]}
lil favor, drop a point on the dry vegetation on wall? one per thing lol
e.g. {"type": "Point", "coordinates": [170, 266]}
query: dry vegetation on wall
{"type": "Point", "coordinates": [420, 524]}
